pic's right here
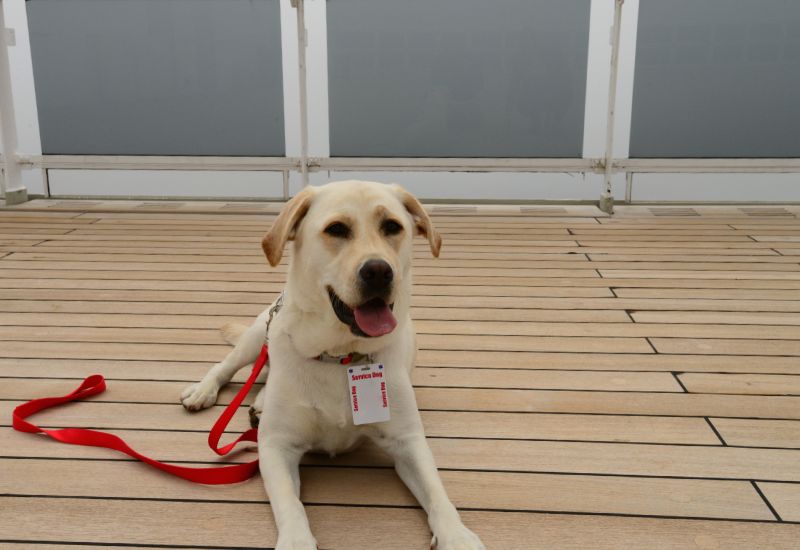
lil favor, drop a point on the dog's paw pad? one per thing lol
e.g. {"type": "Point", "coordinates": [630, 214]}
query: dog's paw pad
{"type": "Point", "coordinates": [199, 396]}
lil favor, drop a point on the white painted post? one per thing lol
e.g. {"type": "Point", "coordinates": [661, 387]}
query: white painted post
{"type": "Point", "coordinates": [11, 183]}
{"type": "Point", "coordinates": [302, 41]}
{"type": "Point", "coordinates": [606, 200]}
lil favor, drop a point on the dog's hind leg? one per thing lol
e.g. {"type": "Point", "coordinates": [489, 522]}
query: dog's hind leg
{"type": "Point", "coordinates": [204, 394]}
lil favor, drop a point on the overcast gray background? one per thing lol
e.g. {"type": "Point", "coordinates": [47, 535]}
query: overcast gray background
{"type": "Point", "coordinates": [717, 78]}
{"type": "Point", "coordinates": [158, 77]}
{"type": "Point", "coordinates": [457, 78]}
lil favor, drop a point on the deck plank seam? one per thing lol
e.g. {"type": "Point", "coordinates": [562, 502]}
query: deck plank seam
{"type": "Point", "coordinates": [676, 376]}
{"type": "Point", "coordinates": [716, 431]}
{"type": "Point", "coordinates": [767, 502]}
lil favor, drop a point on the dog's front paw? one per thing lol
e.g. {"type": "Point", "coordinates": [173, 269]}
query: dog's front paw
{"type": "Point", "coordinates": [200, 396]}
{"type": "Point", "coordinates": [296, 542]}
{"type": "Point", "coordinates": [460, 538]}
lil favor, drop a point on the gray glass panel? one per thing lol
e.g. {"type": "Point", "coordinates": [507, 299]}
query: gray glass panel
{"type": "Point", "coordinates": [457, 78]}
{"type": "Point", "coordinates": [158, 77]}
{"type": "Point", "coordinates": [717, 78]}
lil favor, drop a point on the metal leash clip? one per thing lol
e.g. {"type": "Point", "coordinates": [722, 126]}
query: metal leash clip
{"type": "Point", "coordinates": [273, 311]}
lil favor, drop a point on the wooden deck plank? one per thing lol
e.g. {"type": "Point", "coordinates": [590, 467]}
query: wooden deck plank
{"type": "Point", "coordinates": [634, 429]}
{"type": "Point", "coordinates": [134, 301]}
{"type": "Point", "coordinates": [560, 235]}
{"type": "Point", "coordinates": [258, 292]}
{"type": "Point", "coordinates": [58, 319]}
{"type": "Point", "coordinates": [207, 338]}
{"type": "Point", "coordinates": [159, 369]}
{"type": "Point", "coordinates": [701, 244]}
{"type": "Point", "coordinates": [546, 327]}
{"type": "Point", "coordinates": [247, 253]}
{"type": "Point", "coordinates": [575, 262]}
{"type": "Point", "coordinates": [726, 347]}
{"type": "Point", "coordinates": [631, 330]}
{"type": "Point", "coordinates": [600, 361]}
{"type": "Point", "coordinates": [622, 246]}
{"type": "Point", "coordinates": [755, 384]}
{"type": "Point", "coordinates": [705, 274]}
{"type": "Point", "coordinates": [54, 224]}
{"type": "Point", "coordinates": [440, 424]}
{"type": "Point", "coordinates": [167, 392]}
{"type": "Point", "coordinates": [260, 226]}
{"type": "Point", "coordinates": [381, 487]}
{"type": "Point", "coordinates": [776, 238]}
{"type": "Point", "coordinates": [106, 521]}
{"type": "Point", "coordinates": [184, 439]}
{"type": "Point", "coordinates": [200, 280]}
{"type": "Point", "coordinates": [759, 433]}
{"type": "Point", "coordinates": [229, 312]}
{"type": "Point", "coordinates": [505, 400]}
{"type": "Point", "coordinates": [21, 241]}
{"type": "Point", "coordinates": [530, 379]}
{"type": "Point", "coordinates": [47, 313]}
{"type": "Point", "coordinates": [716, 317]}
{"type": "Point", "coordinates": [634, 241]}
{"type": "Point", "coordinates": [13, 262]}
{"type": "Point", "coordinates": [176, 218]}
{"type": "Point", "coordinates": [707, 293]}
{"type": "Point", "coordinates": [450, 250]}
{"type": "Point", "coordinates": [675, 231]}
{"type": "Point", "coordinates": [7, 232]}
{"type": "Point", "coordinates": [675, 257]}
{"type": "Point", "coordinates": [676, 404]}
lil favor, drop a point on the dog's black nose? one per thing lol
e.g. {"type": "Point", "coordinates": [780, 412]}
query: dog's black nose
{"type": "Point", "coordinates": [376, 275]}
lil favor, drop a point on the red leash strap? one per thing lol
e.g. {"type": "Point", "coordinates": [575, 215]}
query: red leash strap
{"type": "Point", "coordinates": [96, 384]}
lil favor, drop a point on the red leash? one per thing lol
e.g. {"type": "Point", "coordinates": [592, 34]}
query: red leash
{"type": "Point", "coordinates": [96, 384]}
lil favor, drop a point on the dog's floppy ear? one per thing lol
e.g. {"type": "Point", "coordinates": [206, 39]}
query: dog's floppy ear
{"type": "Point", "coordinates": [285, 226]}
{"type": "Point", "coordinates": [422, 222]}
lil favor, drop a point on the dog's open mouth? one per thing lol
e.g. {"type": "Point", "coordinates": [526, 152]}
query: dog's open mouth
{"type": "Point", "coordinates": [372, 318]}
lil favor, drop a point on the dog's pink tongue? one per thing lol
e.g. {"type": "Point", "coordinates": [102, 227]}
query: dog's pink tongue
{"type": "Point", "coordinates": [375, 318]}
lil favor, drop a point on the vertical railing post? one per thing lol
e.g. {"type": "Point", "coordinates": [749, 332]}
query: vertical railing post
{"type": "Point", "coordinates": [11, 183]}
{"type": "Point", "coordinates": [606, 199]}
{"type": "Point", "coordinates": [302, 42]}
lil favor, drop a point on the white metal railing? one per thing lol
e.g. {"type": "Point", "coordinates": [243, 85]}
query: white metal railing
{"type": "Point", "coordinates": [11, 182]}
{"type": "Point", "coordinates": [606, 203]}
{"type": "Point", "coordinates": [609, 165]}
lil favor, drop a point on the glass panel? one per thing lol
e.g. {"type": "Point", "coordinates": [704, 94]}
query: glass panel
{"type": "Point", "coordinates": [158, 77]}
{"type": "Point", "coordinates": [717, 78]}
{"type": "Point", "coordinates": [457, 78]}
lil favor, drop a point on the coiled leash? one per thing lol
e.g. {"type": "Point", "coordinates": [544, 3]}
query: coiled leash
{"type": "Point", "coordinates": [96, 384]}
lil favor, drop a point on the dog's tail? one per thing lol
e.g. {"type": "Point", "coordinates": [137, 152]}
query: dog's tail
{"type": "Point", "coordinates": [232, 332]}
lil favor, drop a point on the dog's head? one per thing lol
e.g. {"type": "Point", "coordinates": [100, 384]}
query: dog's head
{"type": "Point", "coordinates": [352, 252]}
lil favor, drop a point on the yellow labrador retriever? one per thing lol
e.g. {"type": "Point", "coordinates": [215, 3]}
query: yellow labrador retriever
{"type": "Point", "coordinates": [347, 298]}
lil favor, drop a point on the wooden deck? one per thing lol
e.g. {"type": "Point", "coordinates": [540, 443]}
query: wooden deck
{"type": "Point", "coordinates": [586, 382]}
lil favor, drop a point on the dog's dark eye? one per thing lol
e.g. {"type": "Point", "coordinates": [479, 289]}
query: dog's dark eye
{"type": "Point", "coordinates": [391, 227]}
{"type": "Point", "coordinates": [338, 229]}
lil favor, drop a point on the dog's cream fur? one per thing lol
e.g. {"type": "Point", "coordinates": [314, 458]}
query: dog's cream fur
{"type": "Point", "coordinates": [305, 402]}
